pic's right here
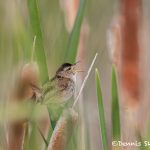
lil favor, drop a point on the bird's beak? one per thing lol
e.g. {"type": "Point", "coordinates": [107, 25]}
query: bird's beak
{"type": "Point", "coordinates": [75, 68]}
{"type": "Point", "coordinates": [79, 70]}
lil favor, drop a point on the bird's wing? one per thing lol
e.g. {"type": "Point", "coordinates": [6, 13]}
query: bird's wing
{"type": "Point", "coordinates": [48, 86]}
{"type": "Point", "coordinates": [49, 92]}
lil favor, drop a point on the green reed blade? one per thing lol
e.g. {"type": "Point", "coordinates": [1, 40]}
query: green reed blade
{"type": "Point", "coordinates": [36, 31]}
{"type": "Point", "coordinates": [116, 135]}
{"type": "Point", "coordinates": [101, 111]}
{"type": "Point", "coordinates": [75, 34]}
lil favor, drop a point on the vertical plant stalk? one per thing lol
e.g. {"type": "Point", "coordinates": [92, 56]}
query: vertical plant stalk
{"type": "Point", "coordinates": [116, 131]}
{"type": "Point", "coordinates": [84, 81]}
{"type": "Point", "coordinates": [63, 130]}
{"type": "Point", "coordinates": [101, 111]}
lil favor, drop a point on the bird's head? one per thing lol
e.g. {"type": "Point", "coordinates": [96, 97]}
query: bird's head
{"type": "Point", "coordinates": [67, 70]}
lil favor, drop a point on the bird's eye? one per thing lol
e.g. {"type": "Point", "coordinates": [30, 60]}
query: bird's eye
{"type": "Point", "coordinates": [68, 69]}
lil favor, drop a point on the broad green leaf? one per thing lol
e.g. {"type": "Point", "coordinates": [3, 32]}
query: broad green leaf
{"type": "Point", "coordinates": [101, 111]}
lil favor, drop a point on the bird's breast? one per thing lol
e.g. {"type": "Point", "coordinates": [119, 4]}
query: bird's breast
{"type": "Point", "coordinates": [66, 88]}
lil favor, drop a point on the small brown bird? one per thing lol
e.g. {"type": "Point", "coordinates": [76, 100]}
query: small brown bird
{"type": "Point", "coordinates": [62, 86]}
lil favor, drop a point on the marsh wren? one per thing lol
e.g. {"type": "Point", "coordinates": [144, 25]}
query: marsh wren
{"type": "Point", "coordinates": [61, 87]}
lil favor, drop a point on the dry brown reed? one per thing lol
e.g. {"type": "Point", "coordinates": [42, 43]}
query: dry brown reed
{"type": "Point", "coordinates": [63, 130]}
